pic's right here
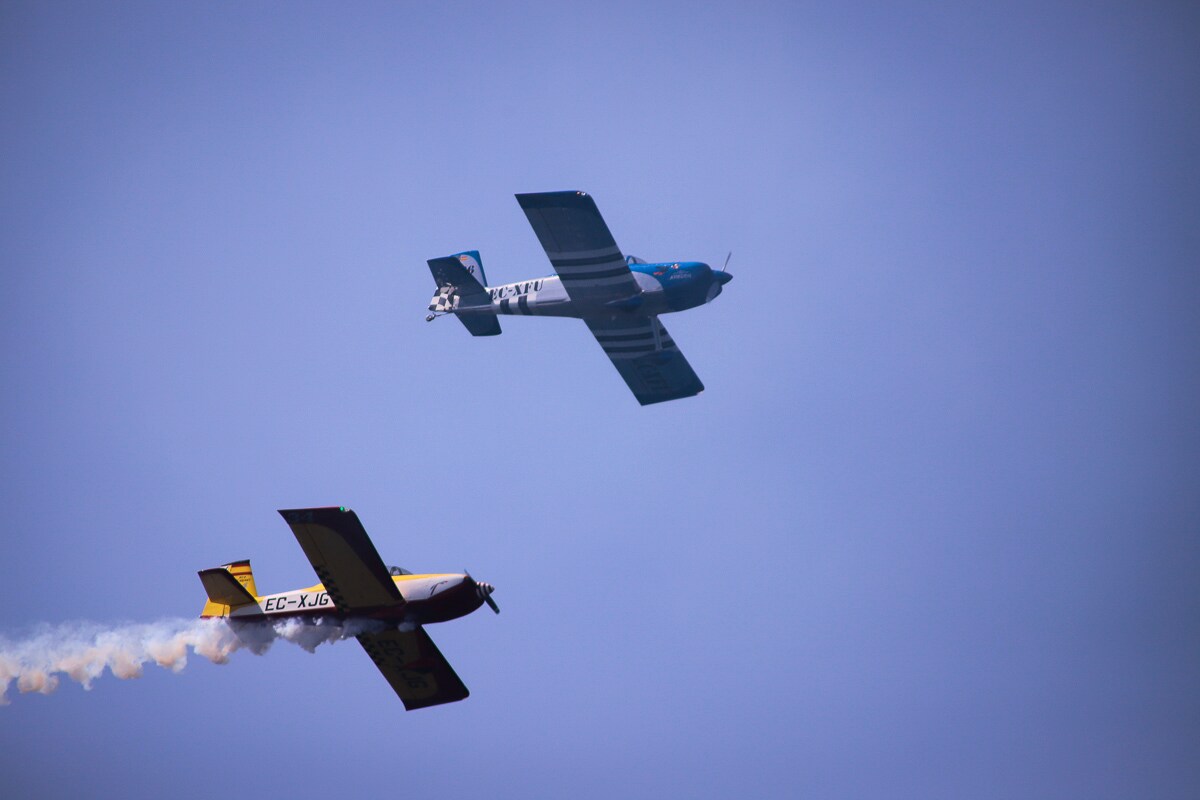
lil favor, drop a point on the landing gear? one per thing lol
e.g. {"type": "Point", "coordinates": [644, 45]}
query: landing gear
{"type": "Point", "coordinates": [430, 318]}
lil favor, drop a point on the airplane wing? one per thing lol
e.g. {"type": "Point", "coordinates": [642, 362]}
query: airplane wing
{"type": "Point", "coordinates": [578, 243]}
{"type": "Point", "coordinates": [414, 667]}
{"type": "Point", "coordinates": [344, 558]}
{"type": "Point", "coordinates": [357, 581]}
{"type": "Point", "coordinates": [643, 352]}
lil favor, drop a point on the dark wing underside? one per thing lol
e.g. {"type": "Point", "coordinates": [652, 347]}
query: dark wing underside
{"type": "Point", "coordinates": [579, 245]}
{"type": "Point", "coordinates": [414, 667]}
{"type": "Point", "coordinates": [643, 352]}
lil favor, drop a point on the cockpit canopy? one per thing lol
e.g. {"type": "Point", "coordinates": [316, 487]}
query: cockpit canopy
{"type": "Point", "coordinates": [634, 260]}
{"type": "Point", "coordinates": [399, 571]}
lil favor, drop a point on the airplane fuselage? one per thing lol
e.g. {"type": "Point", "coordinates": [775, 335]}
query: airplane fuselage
{"type": "Point", "coordinates": [428, 598]}
{"type": "Point", "coordinates": [662, 288]}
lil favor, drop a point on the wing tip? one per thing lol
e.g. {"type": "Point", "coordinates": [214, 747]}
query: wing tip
{"type": "Point", "coordinates": [544, 199]}
{"type": "Point", "coordinates": [291, 515]}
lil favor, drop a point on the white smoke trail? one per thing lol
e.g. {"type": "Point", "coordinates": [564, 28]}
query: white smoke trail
{"type": "Point", "coordinates": [83, 650]}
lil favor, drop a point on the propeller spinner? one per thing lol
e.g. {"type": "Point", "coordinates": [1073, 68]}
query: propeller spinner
{"type": "Point", "coordinates": [484, 590]}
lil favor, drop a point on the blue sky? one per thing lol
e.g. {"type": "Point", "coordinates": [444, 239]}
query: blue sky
{"type": "Point", "coordinates": [931, 531]}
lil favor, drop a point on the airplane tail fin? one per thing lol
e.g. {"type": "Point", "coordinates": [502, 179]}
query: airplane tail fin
{"type": "Point", "coordinates": [473, 264]}
{"type": "Point", "coordinates": [230, 586]}
{"type": "Point", "coordinates": [462, 284]}
{"type": "Point", "coordinates": [241, 571]}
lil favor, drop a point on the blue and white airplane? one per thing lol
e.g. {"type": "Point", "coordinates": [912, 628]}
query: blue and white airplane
{"type": "Point", "coordinates": [618, 297]}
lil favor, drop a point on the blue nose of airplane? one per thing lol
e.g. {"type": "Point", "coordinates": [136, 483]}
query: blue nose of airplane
{"type": "Point", "coordinates": [719, 279]}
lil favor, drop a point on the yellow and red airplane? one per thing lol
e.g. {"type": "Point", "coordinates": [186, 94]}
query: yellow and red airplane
{"type": "Point", "coordinates": [355, 584]}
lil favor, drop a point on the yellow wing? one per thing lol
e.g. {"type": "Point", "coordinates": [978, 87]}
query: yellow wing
{"type": "Point", "coordinates": [344, 559]}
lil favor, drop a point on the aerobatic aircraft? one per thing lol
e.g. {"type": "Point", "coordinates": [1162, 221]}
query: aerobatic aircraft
{"type": "Point", "coordinates": [618, 297]}
{"type": "Point", "coordinates": [392, 604]}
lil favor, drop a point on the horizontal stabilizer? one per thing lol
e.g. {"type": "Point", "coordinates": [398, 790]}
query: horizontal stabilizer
{"type": "Point", "coordinates": [480, 325]}
{"type": "Point", "coordinates": [224, 589]}
{"type": "Point", "coordinates": [448, 271]}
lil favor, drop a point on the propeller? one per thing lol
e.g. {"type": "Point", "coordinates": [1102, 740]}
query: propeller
{"type": "Point", "coordinates": [487, 598]}
{"type": "Point", "coordinates": [484, 590]}
{"type": "Point", "coordinates": [720, 278]}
